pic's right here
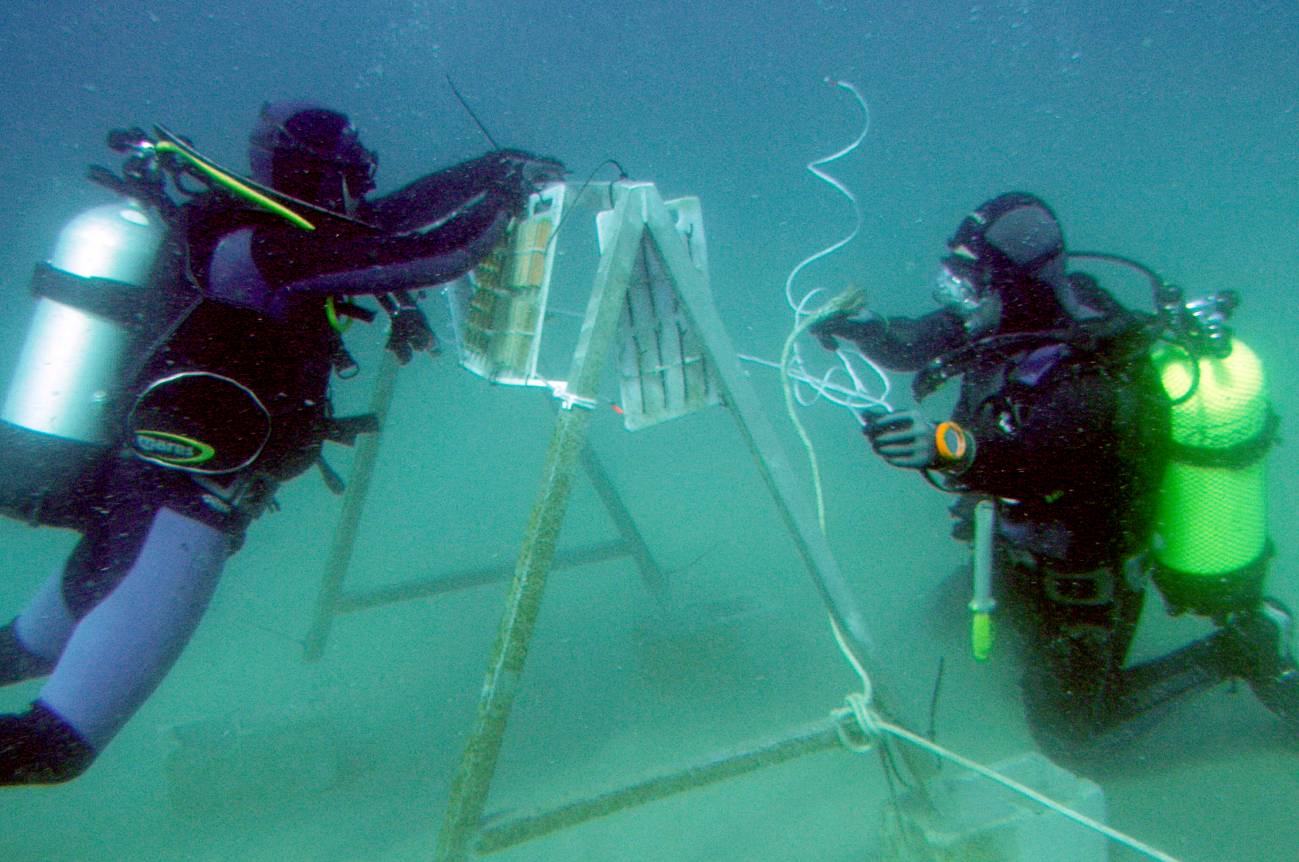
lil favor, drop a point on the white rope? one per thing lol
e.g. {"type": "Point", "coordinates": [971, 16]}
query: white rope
{"type": "Point", "coordinates": [815, 167]}
{"type": "Point", "coordinates": [876, 725]}
{"type": "Point", "coordinates": [841, 384]}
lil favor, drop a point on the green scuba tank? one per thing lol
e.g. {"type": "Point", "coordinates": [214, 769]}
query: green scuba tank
{"type": "Point", "coordinates": [1211, 534]}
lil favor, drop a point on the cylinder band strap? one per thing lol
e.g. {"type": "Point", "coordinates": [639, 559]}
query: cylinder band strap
{"type": "Point", "coordinates": [122, 303]}
{"type": "Point", "coordinates": [1231, 457]}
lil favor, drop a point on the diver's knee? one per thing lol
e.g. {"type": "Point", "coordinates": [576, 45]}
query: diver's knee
{"type": "Point", "coordinates": [17, 661]}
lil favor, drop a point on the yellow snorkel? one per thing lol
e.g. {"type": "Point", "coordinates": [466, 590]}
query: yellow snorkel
{"type": "Point", "coordinates": [234, 185]}
{"type": "Point", "coordinates": [169, 143]}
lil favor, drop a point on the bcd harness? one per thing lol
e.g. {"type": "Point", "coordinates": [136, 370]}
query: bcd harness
{"type": "Point", "coordinates": [200, 421]}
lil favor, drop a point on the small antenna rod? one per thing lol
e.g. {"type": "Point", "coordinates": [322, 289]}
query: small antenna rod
{"type": "Point", "coordinates": [471, 113]}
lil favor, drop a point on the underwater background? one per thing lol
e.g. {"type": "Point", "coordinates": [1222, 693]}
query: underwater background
{"type": "Point", "coordinates": [1165, 131]}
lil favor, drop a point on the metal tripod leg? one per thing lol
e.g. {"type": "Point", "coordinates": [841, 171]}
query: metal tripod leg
{"type": "Point", "coordinates": [478, 764]}
{"type": "Point", "coordinates": [655, 581]}
{"type": "Point", "coordinates": [358, 485]}
{"type": "Point", "coordinates": [333, 600]}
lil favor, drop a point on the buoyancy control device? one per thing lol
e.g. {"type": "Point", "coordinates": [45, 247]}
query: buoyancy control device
{"type": "Point", "coordinates": [104, 302]}
{"type": "Point", "coordinates": [1210, 547]}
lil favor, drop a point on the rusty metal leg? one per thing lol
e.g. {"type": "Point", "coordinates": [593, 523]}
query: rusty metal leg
{"type": "Point", "coordinates": [472, 783]}
{"type": "Point", "coordinates": [655, 580]}
{"type": "Point", "coordinates": [478, 764]}
{"type": "Point", "coordinates": [358, 485]}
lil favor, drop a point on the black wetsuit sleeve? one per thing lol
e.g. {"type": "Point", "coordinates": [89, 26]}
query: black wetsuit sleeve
{"type": "Point", "coordinates": [904, 343]}
{"type": "Point", "coordinates": [431, 198]}
{"type": "Point", "coordinates": [429, 232]}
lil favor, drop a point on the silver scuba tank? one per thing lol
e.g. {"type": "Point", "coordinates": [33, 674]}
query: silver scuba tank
{"type": "Point", "coordinates": [73, 356]}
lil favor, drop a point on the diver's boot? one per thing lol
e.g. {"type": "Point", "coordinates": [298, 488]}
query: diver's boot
{"type": "Point", "coordinates": [1262, 642]}
{"type": "Point", "coordinates": [1147, 692]}
{"type": "Point", "coordinates": [1085, 718]}
{"type": "Point", "coordinates": [39, 747]}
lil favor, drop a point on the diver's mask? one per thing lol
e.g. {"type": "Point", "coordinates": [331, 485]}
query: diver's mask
{"type": "Point", "coordinates": [335, 186]}
{"type": "Point", "coordinates": [959, 286]}
{"type": "Point", "coordinates": [955, 291]}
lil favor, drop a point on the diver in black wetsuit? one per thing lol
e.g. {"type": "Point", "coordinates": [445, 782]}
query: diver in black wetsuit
{"type": "Point", "coordinates": [1062, 419]}
{"type": "Point", "coordinates": [226, 397]}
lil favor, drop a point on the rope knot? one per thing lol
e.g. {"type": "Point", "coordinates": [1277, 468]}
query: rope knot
{"type": "Point", "coordinates": [858, 728]}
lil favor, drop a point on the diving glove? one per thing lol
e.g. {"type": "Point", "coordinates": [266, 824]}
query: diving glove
{"type": "Point", "coordinates": [848, 325]}
{"type": "Point", "coordinates": [907, 439]}
{"type": "Point", "coordinates": [904, 439]}
{"type": "Point", "coordinates": [528, 171]}
{"type": "Point", "coordinates": [410, 333]}
{"type": "Point", "coordinates": [408, 329]}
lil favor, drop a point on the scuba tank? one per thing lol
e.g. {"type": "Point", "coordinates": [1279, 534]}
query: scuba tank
{"type": "Point", "coordinates": [1210, 541]}
{"type": "Point", "coordinates": [1210, 544]}
{"type": "Point", "coordinates": [60, 408]}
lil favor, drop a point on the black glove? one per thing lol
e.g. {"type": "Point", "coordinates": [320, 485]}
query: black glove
{"type": "Point", "coordinates": [825, 329]}
{"type": "Point", "coordinates": [409, 333]}
{"type": "Point", "coordinates": [904, 439]}
{"type": "Point", "coordinates": [527, 172]}
{"type": "Point", "coordinates": [840, 324]}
